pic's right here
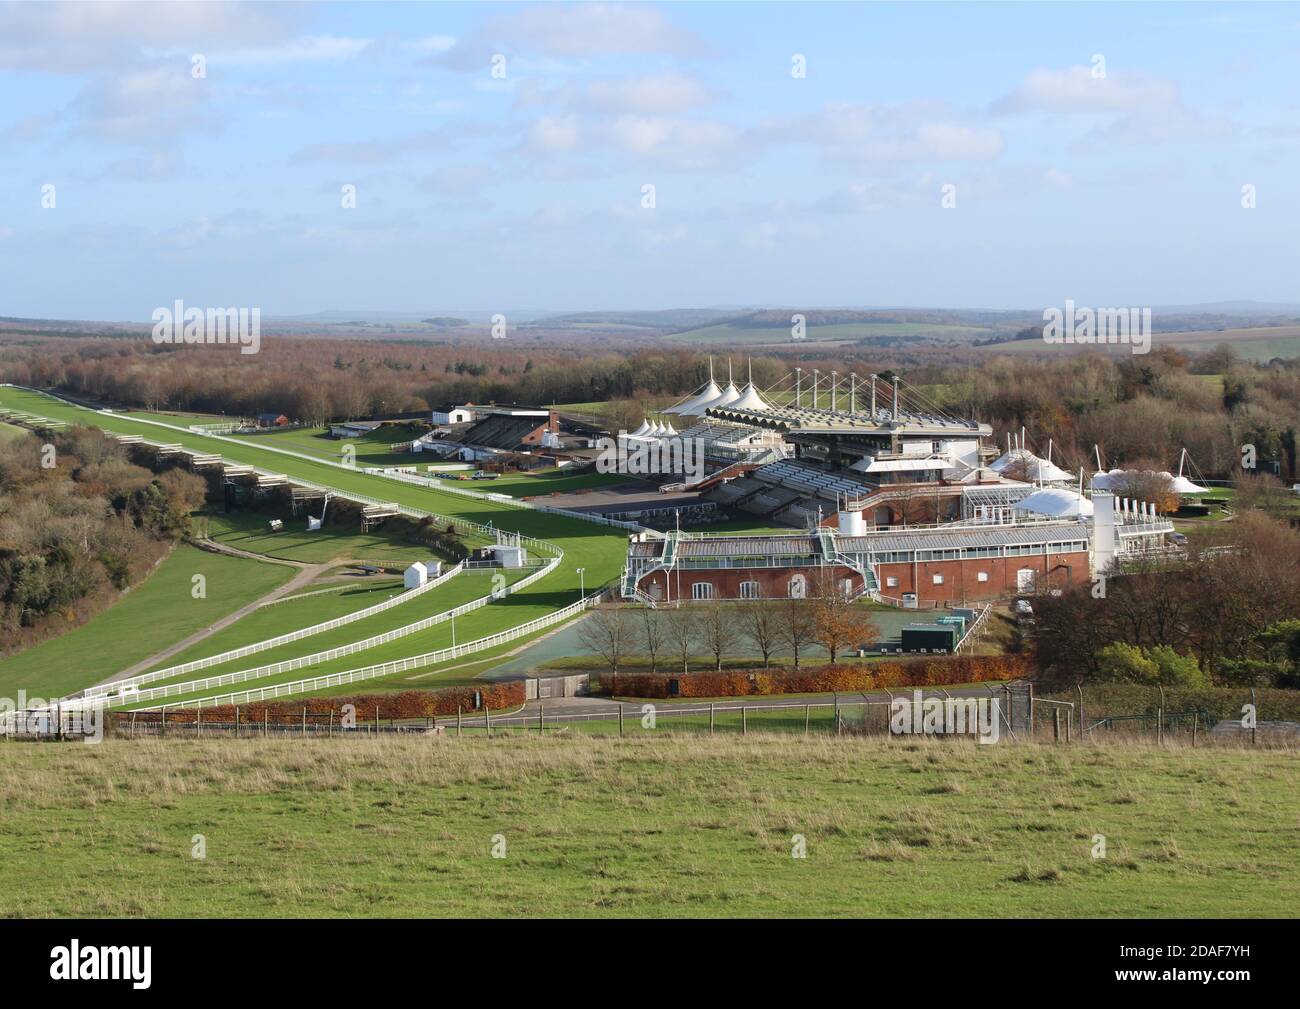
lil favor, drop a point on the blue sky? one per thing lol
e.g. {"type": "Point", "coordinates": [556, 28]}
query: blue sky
{"type": "Point", "coordinates": [475, 192]}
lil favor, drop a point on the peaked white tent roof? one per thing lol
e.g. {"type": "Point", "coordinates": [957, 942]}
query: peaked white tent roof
{"type": "Point", "coordinates": [1036, 468]}
{"type": "Point", "coordinates": [750, 400]}
{"type": "Point", "coordinates": [1115, 479]}
{"type": "Point", "coordinates": [642, 431]}
{"type": "Point", "coordinates": [729, 395]}
{"type": "Point", "coordinates": [1058, 502]}
{"type": "Point", "coordinates": [694, 407]}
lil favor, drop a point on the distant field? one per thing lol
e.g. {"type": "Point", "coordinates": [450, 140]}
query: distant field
{"type": "Point", "coordinates": [8, 431]}
{"type": "Point", "coordinates": [673, 825]}
{"type": "Point", "coordinates": [155, 614]}
{"type": "Point", "coordinates": [837, 333]}
{"type": "Point", "coordinates": [251, 531]}
{"type": "Point", "coordinates": [369, 450]}
{"type": "Point", "coordinates": [1262, 344]}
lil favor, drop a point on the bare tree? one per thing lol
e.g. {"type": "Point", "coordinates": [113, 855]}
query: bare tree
{"type": "Point", "coordinates": [720, 629]}
{"type": "Point", "coordinates": [761, 622]}
{"type": "Point", "coordinates": [682, 625]}
{"type": "Point", "coordinates": [796, 625]}
{"type": "Point", "coordinates": [608, 632]}
{"type": "Point", "coordinates": [654, 635]}
{"type": "Point", "coordinates": [837, 622]}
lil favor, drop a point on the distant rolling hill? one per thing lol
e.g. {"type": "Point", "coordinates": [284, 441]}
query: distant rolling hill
{"type": "Point", "coordinates": [1260, 343]}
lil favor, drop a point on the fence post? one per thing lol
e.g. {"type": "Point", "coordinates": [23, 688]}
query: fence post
{"type": "Point", "coordinates": [710, 718]}
{"type": "Point", "coordinates": [458, 721]}
{"type": "Point", "coordinates": [1069, 721]}
{"type": "Point", "coordinates": [487, 718]}
{"type": "Point", "coordinates": [376, 720]}
{"type": "Point", "coordinates": [620, 719]}
{"type": "Point", "coordinates": [1082, 724]}
{"type": "Point", "coordinates": [1195, 718]}
{"type": "Point", "coordinates": [541, 725]}
{"type": "Point", "coordinates": [164, 721]}
{"type": "Point", "coordinates": [236, 721]}
{"type": "Point", "coordinates": [1056, 724]}
{"type": "Point", "coordinates": [1031, 712]}
{"type": "Point", "coordinates": [131, 733]}
{"type": "Point", "coordinates": [1255, 712]}
{"type": "Point", "coordinates": [198, 722]}
{"type": "Point", "coordinates": [304, 720]}
{"type": "Point", "coordinates": [807, 712]}
{"type": "Point", "coordinates": [744, 719]}
{"type": "Point", "coordinates": [266, 722]}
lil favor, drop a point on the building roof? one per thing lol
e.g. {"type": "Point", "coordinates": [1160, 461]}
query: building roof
{"type": "Point", "coordinates": [501, 432]}
{"type": "Point", "coordinates": [810, 420]}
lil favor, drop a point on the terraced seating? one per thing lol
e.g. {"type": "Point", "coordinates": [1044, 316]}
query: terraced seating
{"type": "Point", "coordinates": [811, 479]}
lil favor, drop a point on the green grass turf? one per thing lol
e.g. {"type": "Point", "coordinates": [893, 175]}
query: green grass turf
{"type": "Point", "coordinates": [250, 531]}
{"type": "Point", "coordinates": [154, 614]}
{"type": "Point", "coordinates": [549, 481]}
{"type": "Point", "coordinates": [837, 333]}
{"type": "Point", "coordinates": [643, 827]}
{"type": "Point", "coordinates": [9, 432]}
{"type": "Point", "coordinates": [601, 551]}
{"type": "Point", "coordinates": [371, 449]}
{"type": "Point", "coordinates": [462, 589]}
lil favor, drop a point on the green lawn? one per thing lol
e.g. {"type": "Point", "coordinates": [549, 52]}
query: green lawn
{"type": "Point", "coordinates": [601, 551]}
{"type": "Point", "coordinates": [250, 531]}
{"type": "Point", "coordinates": [8, 431]}
{"type": "Point", "coordinates": [371, 449]}
{"type": "Point", "coordinates": [459, 590]}
{"type": "Point", "coordinates": [642, 827]}
{"type": "Point", "coordinates": [154, 614]}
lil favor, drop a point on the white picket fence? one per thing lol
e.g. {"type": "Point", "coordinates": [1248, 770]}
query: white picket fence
{"type": "Point", "coordinates": [262, 646]}
{"type": "Point", "coordinates": [315, 659]}
{"type": "Point", "coordinates": [388, 668]}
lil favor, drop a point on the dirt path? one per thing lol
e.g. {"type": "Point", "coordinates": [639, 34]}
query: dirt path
{"type": "Point", "coordinates": [306, 574]}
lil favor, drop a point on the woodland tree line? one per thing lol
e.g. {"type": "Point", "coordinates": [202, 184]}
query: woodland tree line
{"type": "Point", "coordinates": [1139, 410]}
{"type": "Point", "coordinates": [78, 524]}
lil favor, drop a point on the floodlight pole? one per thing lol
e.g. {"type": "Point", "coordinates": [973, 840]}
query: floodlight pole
{"type": "Point", "coordinates": [582, 590]}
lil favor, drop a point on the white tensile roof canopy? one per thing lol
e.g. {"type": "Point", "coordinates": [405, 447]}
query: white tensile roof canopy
{"type": "Point", "coordinates": [1058, 502]}
{"type": "Point", "coordinates": [1036, 468]}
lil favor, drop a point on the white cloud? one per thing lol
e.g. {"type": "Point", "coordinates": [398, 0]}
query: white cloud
{"type": "Point", "coordinates": [655, 94]}
{"type": "Point", "coordinates": [305, 49]}
{"type": "Point", "coordinates": [1074, 89]}
{"type": "Point", "coordinates": [555, 134]}
{"type": "Point", "coordinates": [573, 31]}
{"type": "Point", "coordinates": [844, 131]}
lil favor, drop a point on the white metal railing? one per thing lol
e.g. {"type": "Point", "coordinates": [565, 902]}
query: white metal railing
{"type": "Point", "coordinates": [261, 646]}
{"type": "Point", "coordinates": [315, 659]}
{"type": "Point", "coordinates": [390, 668]}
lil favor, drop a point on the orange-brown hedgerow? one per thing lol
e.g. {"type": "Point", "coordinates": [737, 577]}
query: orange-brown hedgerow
{"type": "Point", "coordinates": [933, 672]}
{"type": "Point", "coordinates": [407, 704]}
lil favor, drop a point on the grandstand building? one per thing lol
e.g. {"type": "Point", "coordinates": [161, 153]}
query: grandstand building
{"type": "Point", "coordinates": [892, 498]}
{"type": "Point", "coordinates": [963, 561]}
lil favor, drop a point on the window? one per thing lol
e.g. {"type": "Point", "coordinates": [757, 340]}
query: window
{"type": "Point", "coordinates": [751, 590]}
{"type": "Point", "coordinates": [846, 586]}
{"type": "Point", "coordinates": [702, 590]}
{"type": "Point", "coordinates": [938, 579]}
{"type": "Point", "coordinates": [798, 587]}
{"type": "Point", "coordinates": [891, 582]}
{"type": "Point", "coordinates": [983, 576]}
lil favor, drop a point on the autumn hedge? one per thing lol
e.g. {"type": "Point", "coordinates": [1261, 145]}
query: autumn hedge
{"type": "Point", "coordinates": [407, 704]}
{"type": "Point", "coordinates": [933, 672]}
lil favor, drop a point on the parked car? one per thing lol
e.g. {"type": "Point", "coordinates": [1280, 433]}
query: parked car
{"type": "Point", "coordinates": [484, 475]}
{"type": "Point", "coordinates": [1178, 539]}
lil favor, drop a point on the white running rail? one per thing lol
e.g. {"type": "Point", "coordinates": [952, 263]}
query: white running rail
{"type": "Point", "coordinates": [261, 646]}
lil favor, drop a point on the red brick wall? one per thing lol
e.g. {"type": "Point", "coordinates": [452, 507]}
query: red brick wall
{"type": "Point", "coordinates": [775, 582]}
{"type": "Point", "coordinates": [960, 578]}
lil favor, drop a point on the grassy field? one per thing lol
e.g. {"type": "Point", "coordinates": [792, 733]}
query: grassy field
{"type": "Point", "coordinates": [669, 826]}
{"type": "Point", "coordinates": [1256, 344]}
{"type": "Point", "coordinates": [8, 431]}
{"type": "Point", "coordinates": [599, 550]}
{"type": "Point", "coordinates": [154, 614]}
{"type": "Point", "coordinates": [848, 332]}
{"type": "Point", "coordinates": [461, 589]}
{"type": "Point", "coordinates": [373, 449]}
{"type": "Point", "coordinates": [250, 531]}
